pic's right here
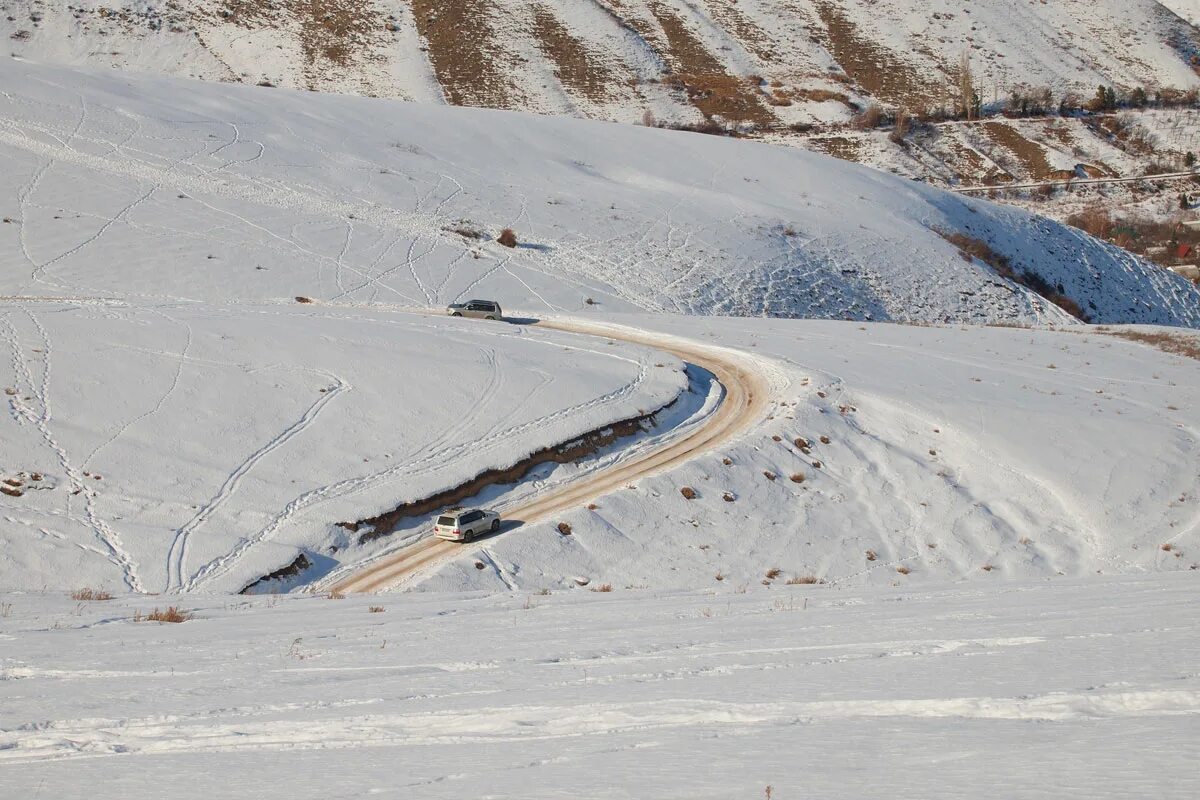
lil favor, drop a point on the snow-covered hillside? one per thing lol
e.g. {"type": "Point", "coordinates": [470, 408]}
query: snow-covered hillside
{"type": "Point", "coordinates": [896, 454]}
{"type": "Point", "coordinates": [1057, 688]}
{"type": "Point", "coordinates": [765, 62]}
{"type": "Point", "coordinates": [1188, 9]}
{"type": "Point", "coordinates": [136, 185]}
{"type": "Point", "coordinates": [176, 447]}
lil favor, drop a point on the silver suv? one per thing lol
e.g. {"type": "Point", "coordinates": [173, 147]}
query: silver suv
{"type": "Point", "coordinates": [481, 309]}
{"type": "Point", "coordinates": [464, 524]}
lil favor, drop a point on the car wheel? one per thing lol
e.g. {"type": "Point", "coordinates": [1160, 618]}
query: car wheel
{"type": "Point", "coordinates": [495, 525]}
{"type": "Point", "coordinates": [456, 314]}
{"type": "Point", "coordinates": [493, 319]}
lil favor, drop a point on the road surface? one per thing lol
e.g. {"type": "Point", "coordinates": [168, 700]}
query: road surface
{"type": "Point", "coordinates": [744, 402]}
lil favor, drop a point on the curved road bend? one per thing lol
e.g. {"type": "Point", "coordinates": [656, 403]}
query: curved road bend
{"type": "Point", "coordinates": [745, 400]}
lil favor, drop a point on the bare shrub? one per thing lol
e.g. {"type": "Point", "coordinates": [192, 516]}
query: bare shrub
{"type": "Point", "coordinates": [90, 594]}
{"type": "Point", "coordinates": [334, 594]}
{"type": "Point", "coordinates": [507, 237]}
{"type": "Point", "coordinates": [1168, 547]}
{"type": "Point", "coordinates": [375, 609]}
{"type": "Point", "coordinates": [720, 576]}
{"type": "Point", "coordinates": [801, 443]}
{"type": "Point", "coordinates": [564, 528]}
{"type": "Point", "coordinates": [903, 570]}
{"type": "Point", "coordinates": [870, 118]}
{"type": "Point", "coordinates": [688, 493]}
{"type": "Point", "coordinates": [872, 555]}
{"type": "Point", "coordinates": [1095, 221]}
{"type": "Point", "coordinates": [797, 477]}
{"type": "Point", "coordinates": [729, 497]}
{"type": "Point", "coordinates": [773, 573]}
{"type": "Point", "coordinates": [769, 475]}
{"type": "Point", "coordinates": [168, 614]}
{"type": "Point", "coordinates": [302, 299]}
{"type": "Point", "coordinates": [804, 580]}
{"type": "Point", "coordinates": [604, 587]}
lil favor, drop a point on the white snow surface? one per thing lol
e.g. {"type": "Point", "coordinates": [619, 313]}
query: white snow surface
{"type": "Point", "coordinates": [1188, 9]}
{"type": "Point", "coordinates": [1028, 689]}
{"type": "Point", "coordinates": [183, 447]}
{"type": "Point", "coordinates": [982, 453]}
{"type": "Point", "coordinates": [133, 185]}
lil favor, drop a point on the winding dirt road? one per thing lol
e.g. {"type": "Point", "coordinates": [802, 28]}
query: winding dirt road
{"type": "Point", "coordinates": [744, 403]}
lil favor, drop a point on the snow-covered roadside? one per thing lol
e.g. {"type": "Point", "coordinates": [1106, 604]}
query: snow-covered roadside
{"type": "Point", "coordinates": [933, 453]}
{"type": "Point", "coordinates": [177, 447]}
{"type": "Point", "coordinates": [1061, 687]}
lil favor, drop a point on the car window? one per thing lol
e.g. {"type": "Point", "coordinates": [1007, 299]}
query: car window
{"type": "Point", "coordinates": [447, 521]}
{"type": "Point", "coordinates": [471, 516]}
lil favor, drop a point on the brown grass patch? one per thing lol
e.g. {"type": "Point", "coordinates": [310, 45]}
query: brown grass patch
{"type": "Point", "coordinates": [334, 594]}
{"type": "Point", "coordinates": [507, 237]}
{"type": "Point", "coordinates": [90, 594]}
{"type": "Point", "coordinates": [564, 528]}
{"type": "Point", "coordinates": [688, 493]}
{"type": "Point", "coordinates": [1178, 344]}
{"type": "Point", "coordinates": [712, 90]}
{"type": "Point", "coordinates": [168, 614]}
{"type": "Point", "coordinates": [773, 573]}
{"type": "Point", "coordinates": [578, 68]}
{"type": "Point", "coordinates": [376, 609]}
{"type": "Point", "coordinates": [903, 570]}
{"type": "Point", "coordinates": [471, 64]}
{"type": "Point", "coordinates": [1032, 156]}
{"type": "Point", "coordinates": [872, 555]}
{"type": "Point", "coordinates": [805, 580]}
{"type": "Point", "coordinates": [880, 71]}
{"type": "Point", "coordinates": [604, 587]}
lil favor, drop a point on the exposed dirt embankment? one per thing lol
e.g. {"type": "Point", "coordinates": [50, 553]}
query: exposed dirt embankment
{"type": "Point", "coordinates": [568, 452]}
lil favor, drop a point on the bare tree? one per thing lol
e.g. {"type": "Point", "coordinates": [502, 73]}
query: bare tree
{"type": "Point", "coordinates": [966, 86]}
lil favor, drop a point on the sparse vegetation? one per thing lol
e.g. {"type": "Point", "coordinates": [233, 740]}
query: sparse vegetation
{"type": "Point", "coordinates": [375, 609]}
{"type": "Point", "coordinates": [769, 475]}
{"type": "Point", "coordinates": [168, 614]}
{"type": "Point", "coordinates": [302, 299]}
{"type": "Point", "coordinates": [773, 573]}
{"type": "Point", "coordinates": [90, 595]}
{"type": "Point", "coordinates": [334, 594]}
{"type": "Point", "coordinates": [1179, 344]}
{"type": "Point", "coordinates": [688, 493]}
{"type": "Point", "coordinates": [797, 477]}
{"type": "Point", "coordinates": [903, 570]}
{"type": "Point", "coordinates": [604, 587]}
{"type": "Point", "coordinates": [507, 237]}
{"type": "Point", "coordinates": [872, 555]}
{"type": "Point", "coordinates": [564, 528]}
{"type": "Point", "coordinates": [804, 580]}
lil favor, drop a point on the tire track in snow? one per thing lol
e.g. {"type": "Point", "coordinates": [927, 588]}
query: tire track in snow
{"type": "Point", "coordinates": [177, 557]}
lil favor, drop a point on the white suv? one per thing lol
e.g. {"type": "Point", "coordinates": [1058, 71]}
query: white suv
{"type": "Point", "coordinates": [480, 309]}
{"type": "Point", "coordinates": [464, 524]}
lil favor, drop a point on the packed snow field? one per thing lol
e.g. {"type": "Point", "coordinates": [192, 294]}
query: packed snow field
{"type": "Point", "coordinates": [899, 454]}
{"type": "Point", "coordinates": [1031, 689]}
{"type": "Point", "coordinates": [157, 447]}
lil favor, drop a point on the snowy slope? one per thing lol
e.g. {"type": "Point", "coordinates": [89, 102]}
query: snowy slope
{"type": "Point", "coordinates": [1187, 9]}
{"type": "Point", "coordinates": [134, 185]}
{"type": "Point", "coordinates": [934, 453]}
{"type": "Point", "coordinates": [180, 447]}
{"type": "Point", "coordinates": [1058, 688]}
{"type": "Point", "coordinates": [766, 62]}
